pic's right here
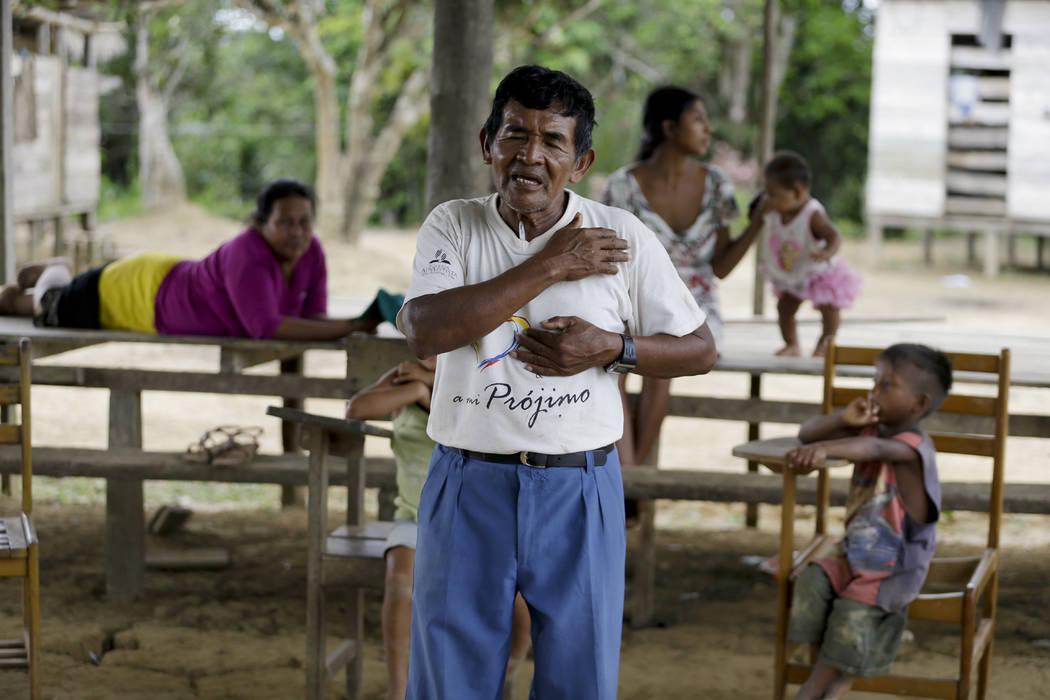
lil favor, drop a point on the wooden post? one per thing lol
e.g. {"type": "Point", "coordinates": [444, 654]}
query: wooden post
{"type": "Point", "coordinates": [784, 564]}
{"type": "Point", "coordinates": [316, 524]}
{"type": "Point", "coordinates": [7, 225]}
{"type": "Point", "coordinates": [459, 99]}
{"type": "Point", "coordinates": [291, 496]}
{"type": "Point", "coordinates": [753, 429]}
{"type": "Point", "coordinates": [766, 129]}
{"type": "Point", "coordinates": [125, 522]}
{"type": "Point", "coordinates": [991, 253]}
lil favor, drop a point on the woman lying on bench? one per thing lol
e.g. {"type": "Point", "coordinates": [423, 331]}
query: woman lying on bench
{"type": "Point", "coordinates": [268, 282]}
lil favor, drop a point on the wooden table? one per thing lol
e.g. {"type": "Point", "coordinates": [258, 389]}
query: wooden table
{"type": "Point", "coordinates": [771, 454]}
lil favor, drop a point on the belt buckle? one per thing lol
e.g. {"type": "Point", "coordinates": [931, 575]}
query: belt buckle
{"type": "Point", "coordinates": [523, 456]}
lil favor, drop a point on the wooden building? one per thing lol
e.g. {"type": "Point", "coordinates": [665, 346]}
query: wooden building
{"type": "Point", "coordinates": [55, 158]}
{"type": "Point", "coordinates": [960, 120]}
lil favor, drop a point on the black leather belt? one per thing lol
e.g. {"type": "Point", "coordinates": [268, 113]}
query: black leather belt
{"type": "Point", "coordinates": [540, 460]}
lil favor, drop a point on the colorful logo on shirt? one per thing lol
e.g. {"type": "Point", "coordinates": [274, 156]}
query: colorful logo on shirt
{"type": "Point", "coordinates": [514, 324]}
{"type": "Point", "coordinates": [787, 252]}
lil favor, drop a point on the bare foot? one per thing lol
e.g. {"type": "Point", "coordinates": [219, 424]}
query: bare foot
{"type": "Point", "coordinates": [822, 346]}
{"type": "Point", "coordinates": [29, 273]}
{"type": "Point", "coordinates": [788, 351]}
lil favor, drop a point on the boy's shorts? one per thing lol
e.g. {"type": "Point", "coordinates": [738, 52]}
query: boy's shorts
{"type": "Point", "coordinates": [854, 638]}
{"type": "Point", "coordinates": [403, 535]}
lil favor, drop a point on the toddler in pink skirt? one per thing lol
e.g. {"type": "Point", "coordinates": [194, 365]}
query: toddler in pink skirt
{"type": "Point", "coordinates": [800, 250]}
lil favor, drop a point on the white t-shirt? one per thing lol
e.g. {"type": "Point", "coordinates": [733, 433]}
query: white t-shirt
{"type": "Point", "coordinates": [486, 401]}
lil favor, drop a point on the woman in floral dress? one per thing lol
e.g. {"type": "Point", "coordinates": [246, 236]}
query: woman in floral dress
{"type": "Point", "coordinates": [688, 205]}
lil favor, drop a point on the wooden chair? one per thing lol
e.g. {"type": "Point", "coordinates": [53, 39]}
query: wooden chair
{"type": "Point", "coordinates": [18, 543]}
{"type": "Point", "coordinates": [358, 544]}
{"type": "Point", "coordinates": [959, 590]}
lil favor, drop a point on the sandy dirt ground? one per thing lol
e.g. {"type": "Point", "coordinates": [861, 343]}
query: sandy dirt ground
{"type": "Point", "coordinates": [239, 632]}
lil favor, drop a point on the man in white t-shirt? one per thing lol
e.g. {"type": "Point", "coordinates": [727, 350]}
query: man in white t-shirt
{"type": "Point", "coordinates": [534, 299]}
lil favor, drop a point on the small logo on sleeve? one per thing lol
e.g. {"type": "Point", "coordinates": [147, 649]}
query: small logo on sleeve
{"type": "Point", "coordinates": [440, 265]}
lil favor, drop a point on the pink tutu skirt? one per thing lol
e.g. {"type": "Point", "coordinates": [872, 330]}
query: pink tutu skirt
{"type": "Point", "coordinates": [837, 285]}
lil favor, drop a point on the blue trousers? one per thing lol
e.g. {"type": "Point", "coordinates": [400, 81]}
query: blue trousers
{"type": "Point", "coordinates": [487, 530]}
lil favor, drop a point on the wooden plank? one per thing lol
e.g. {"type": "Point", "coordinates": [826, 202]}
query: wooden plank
{"type": "Point", "coordinates": [289, 470]}
{"type": "Point", "coordinates": [13, 537]}
{"type": "Point", "coordinates": [970, 405]}
{"type": "Point", "coordinates": [979, 184]}
{"type": "Point", "coordinates": [338, 425]}
{"type": "Point", "coordinates": [10, 434]}
{"type": "Point", "coordinates": [977, 160]}
{"type": "Point", "coordinates": [968, 137]}
{"type": "Point", "coordinates": [993, 87]}
{"type": "Point", "coordinates": [9, 354]}
{"type": "Point", "coordinates": [235, 361]}
{"type": "Point", "coordinates": [975, 205]}
{"type": "Point", "coordinates": [984, 114]}
{"type": "Point", "coordinates": [372, 530]}
{"type": "Point", "coordinates": [980, 445]}
{"type": "Point", "coordinates": [974, 362]}
{"type": "Point", "coordinates": [10, 393]}
{"type": "Point", "coordinates": [951, 570]}
{"type": "Point", "coordinates": [980, 58]}
{"type": "Point", "coordinates": [847, 355]}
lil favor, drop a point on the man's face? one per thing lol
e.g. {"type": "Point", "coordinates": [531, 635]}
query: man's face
{"type": "Point", "coordinates": [533, 157]}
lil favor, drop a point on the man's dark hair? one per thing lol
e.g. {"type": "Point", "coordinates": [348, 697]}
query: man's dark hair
{"type": "Point", "coordinates": [789, 169]}
{"type": "Point", "coordinates": [536, 87]}
{"type": "Point", "coordinates": [663, 103]}
{"type": "Point", "coordinates": [279, 189]}
{"type": "Point", "coordinates": [934, 369]}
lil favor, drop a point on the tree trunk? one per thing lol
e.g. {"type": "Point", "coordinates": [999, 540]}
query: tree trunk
{"type": "Point", "coordinates": [367, 172]}
{"type": "Point", "coordinates": [160, 173]}
{"type": "Point", "coordinates": [459, 99]}
{"type": "Point", "coordinates": [368, 154]}
{"type": "Point", "coordinates": [328, 181]}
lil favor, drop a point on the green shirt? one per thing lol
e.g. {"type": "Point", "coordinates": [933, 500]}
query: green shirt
{"type": "Point", "coordinates": [412, 449]}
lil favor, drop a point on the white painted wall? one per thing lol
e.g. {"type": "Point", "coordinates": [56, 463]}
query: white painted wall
{"type": "Point", "coordinates": [908, 131]}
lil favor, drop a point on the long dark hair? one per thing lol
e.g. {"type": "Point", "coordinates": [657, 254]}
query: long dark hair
{"type": "Point", "coordinates": [663, 103]}
{"type": "Point", "coordinates": [279, 189]}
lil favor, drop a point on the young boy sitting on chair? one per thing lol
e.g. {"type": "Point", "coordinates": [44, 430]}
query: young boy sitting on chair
{"type": "Point", "coordinates": [852, 604]}
{"type": "Point", "coordinates": [403, 392]}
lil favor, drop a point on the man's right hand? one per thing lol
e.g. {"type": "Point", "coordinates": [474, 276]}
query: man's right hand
{"type": "Point", "coordinates": [581, 252]}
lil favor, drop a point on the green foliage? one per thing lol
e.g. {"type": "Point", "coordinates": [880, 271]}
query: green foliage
{"type": "Point", "coordinates": [118, 201]}
{"type": "Point", "coordinates": [824, 100]}
{"type": "Point", "coordinates": [244, 113]}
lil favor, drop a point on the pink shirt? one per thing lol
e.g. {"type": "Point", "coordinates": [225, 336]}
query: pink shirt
{"type": "Point", "coordinates": [238, 290]}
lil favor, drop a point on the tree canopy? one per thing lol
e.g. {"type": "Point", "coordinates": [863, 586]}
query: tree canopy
{"type": "Point", "coordinates": [246, 108]}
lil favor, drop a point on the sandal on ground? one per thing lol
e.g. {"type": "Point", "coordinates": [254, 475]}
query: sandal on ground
{"type": "Point", "coordinates": [240, 447]}
{"type": "Point", "coordinates": [225, 446]}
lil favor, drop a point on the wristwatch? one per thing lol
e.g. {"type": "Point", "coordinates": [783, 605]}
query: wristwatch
{"type": "Point", "coordinates": [627, 360]}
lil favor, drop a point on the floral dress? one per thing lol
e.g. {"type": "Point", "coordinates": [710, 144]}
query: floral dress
{"type": "Point", "coordinates": [691, 250]}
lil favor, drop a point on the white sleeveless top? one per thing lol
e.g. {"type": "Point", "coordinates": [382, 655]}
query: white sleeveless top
{"type": "Point", "coordinates": [789, 249]}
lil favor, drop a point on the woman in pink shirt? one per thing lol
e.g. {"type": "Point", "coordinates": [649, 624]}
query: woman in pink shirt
{"type": "Point", "coordinates": [267, 282]}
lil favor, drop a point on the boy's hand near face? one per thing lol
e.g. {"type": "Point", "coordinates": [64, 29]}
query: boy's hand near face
{"type": "Point", "coordinates": [861, 412]}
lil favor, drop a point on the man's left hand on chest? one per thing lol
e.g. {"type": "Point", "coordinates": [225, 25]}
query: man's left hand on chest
{"type": "Point", "coordinates": [566, 345]}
